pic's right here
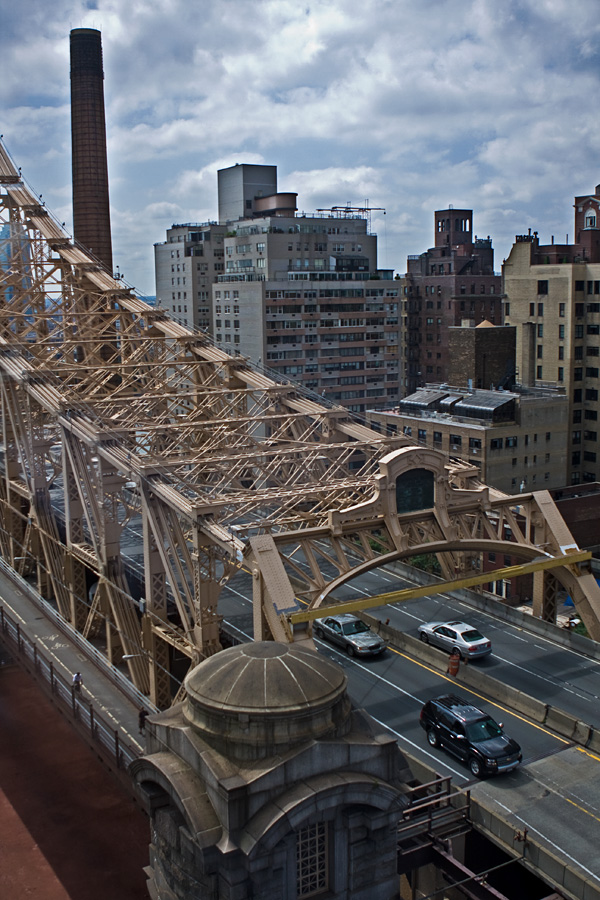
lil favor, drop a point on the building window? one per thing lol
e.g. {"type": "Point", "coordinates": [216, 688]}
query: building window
{"type": "Point", "coordinates": [539, 373]}
{"type": "Point", "coordinates": [455, 441]}
{"type": "Point", "coordinates": [496, 444]}
{"type": "Point", "coordinates": [540, 331]}
{"type": "Point", "coordinates": [561, 352]}
{"type": "Point", "coordinates": [540, 309]}
{"type": "Point", "coordinates": [532, 309]}
{"type": "Point", "coordinates": [511, 441]}
{"type": "Point", "coordinates": [422, 435]}
{"type": "Point", "coordinates": [579, 285]}
{"type": "Point", "coordinates": [437, 437]}
{"type": "Point", "coordinates": [542, 287]}
{"type": "Point", "coordinates": [312, 864]}
{"type": "Point", "coordinates": [561, 310]}
{"type": "Point", "coordinates": [561, 332]}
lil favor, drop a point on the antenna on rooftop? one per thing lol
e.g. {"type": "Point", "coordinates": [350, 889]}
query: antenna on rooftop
{"type": "Point", "coordinates": [353, 212]}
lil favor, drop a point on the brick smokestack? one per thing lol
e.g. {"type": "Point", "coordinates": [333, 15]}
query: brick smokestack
{"type": "Point", "coordinates": [91, 212]}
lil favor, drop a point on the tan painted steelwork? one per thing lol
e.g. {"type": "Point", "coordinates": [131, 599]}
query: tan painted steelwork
{"type": "Point", "coordinates": [142, 466]}
{"type": "Point", "coordinates": [352, 606]}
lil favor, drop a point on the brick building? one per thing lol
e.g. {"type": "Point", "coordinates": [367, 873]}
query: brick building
{"type": "Point", "coordinates": [453, 283]}
{"type": "Point", "coordinates": [482, 357]}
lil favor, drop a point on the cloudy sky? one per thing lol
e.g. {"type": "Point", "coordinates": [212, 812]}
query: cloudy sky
{"type": "Point", "coordinates": [409, 105]}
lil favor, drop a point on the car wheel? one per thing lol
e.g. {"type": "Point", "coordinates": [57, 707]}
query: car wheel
{"type": "Point", "coordinates": [456, 650]}
{"type": "Point", "coordinates": [424, 637]}
{"type": "Point", "coordinates": [432, 738]}
{"type": "Point", "coordinates": [318, 633]}
{"type": "Point", "coordinates": [476, 767]}
{"type": "Point", "coordinates": [350, 650]}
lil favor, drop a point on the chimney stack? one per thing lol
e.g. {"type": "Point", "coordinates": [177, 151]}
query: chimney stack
{"type": "Point", "coordinates": [91, 211]}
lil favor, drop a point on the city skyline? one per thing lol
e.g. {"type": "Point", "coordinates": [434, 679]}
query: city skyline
{"type": "Point", "coordinates": [410, 107]}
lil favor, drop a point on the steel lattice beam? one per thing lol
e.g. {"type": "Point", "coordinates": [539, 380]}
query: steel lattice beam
{"type": "Point", "coordinates": [140, 457]}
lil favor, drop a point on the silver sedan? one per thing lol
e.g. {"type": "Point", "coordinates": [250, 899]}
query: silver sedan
{"type": "Point", "coordinates": [350, 633]}
{"type": "Point", "coordinates": [450, 636]}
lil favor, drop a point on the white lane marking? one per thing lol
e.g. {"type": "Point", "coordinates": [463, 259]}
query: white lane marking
{"type": "Point", "coordinates": [237, 593]}
{"type": "Point", "coordinates": [420, 749]}
{"type": "Point", "coordinates": [560, 848]}
{"type": "Point", "coordinates": [14, 611]}
{"type": "Point", "coordinates": [373, 674]}
{"type": "Point", "coordinates": [554, 682]}
{"type": "Point", "coordinates": [239, 630]}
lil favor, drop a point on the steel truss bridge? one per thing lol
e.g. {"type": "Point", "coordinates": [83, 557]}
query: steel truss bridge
{"type": "Point", "coordinates": [116, 419]}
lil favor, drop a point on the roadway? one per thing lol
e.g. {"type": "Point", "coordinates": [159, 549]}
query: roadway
{"type": "Point", "coordinates": [555, 793]}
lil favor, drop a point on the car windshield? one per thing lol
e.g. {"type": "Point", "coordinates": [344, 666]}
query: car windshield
{"type": "Point", "coordinates": [356, 627]}
{"type": "Point", "coordinates": [472, 635]}
{"type": "Point", "coordinates": [483, 730]}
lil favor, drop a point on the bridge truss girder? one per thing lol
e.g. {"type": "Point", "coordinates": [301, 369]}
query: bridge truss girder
{"type": "Point", "coordinates": [143, 467]}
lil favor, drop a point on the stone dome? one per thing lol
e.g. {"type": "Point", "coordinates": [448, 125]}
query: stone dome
{"type": "Point", "coordinates": [262, 698]}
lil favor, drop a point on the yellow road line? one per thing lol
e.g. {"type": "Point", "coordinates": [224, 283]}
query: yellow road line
{"type": "Point", "coordinates": [588, 753]}
{"type": "Point", "coordinates": [469, 690]}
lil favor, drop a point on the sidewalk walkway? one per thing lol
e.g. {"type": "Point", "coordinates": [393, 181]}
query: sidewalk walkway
{"type": "Point", "coordinates": [111, 694]}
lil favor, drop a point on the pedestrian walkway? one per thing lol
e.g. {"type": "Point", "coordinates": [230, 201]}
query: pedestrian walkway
{"type": "Point", "coordinates": [111, 695]}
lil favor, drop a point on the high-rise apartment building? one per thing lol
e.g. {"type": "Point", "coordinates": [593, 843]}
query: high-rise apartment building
{"type": "Point", "coordinates": [453, 283]}
{"type": "Point", "coordinates": [187, 264]}
{"type": "Point", "coordinates": [553, 297]}
{"type": "Point", "coordinates": [301, 295]}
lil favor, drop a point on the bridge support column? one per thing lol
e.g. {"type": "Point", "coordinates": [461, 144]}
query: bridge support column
{"type": "Point", "coordinates": [206, 597]}
{"type": "Point", "coordinates": [545, 596]}
{"type": "Point", "coordinates": [155, 586]}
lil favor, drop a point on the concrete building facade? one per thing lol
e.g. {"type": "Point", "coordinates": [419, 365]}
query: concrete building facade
{"type": "Point", "coordinates": [300, 295]}
{"type": "Point", "coordinates": [553, 298]}
{"type": "Point", "coordinates": [453, 283]}
{"type": "Point", "coordinates": [187, 265]}
{"type": "Point", "coordinates": [517, 440]}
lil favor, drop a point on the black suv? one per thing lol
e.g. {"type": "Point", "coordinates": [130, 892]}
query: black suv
{"type": "Point", "coordinates": [470, 735]}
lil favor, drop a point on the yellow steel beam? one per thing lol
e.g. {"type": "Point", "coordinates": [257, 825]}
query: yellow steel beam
{"type": "Point", "coordinates": [537, 565]}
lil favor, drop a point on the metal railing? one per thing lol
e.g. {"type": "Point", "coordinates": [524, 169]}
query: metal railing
{"type": "Point", "coordinates": [106, 739]}
{"type": "Point", "coordinates": [92, 653]}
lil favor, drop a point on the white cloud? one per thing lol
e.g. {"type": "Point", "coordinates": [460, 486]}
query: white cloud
{"type": "Point", "coordinates": [411, 104]}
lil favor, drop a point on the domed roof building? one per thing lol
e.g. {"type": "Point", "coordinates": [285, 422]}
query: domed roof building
{"type": "Point", "coordinates": [266, 783]}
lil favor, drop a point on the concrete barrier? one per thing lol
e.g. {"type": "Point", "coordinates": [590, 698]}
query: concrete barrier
{"type": "Point", "coordinates": [503, 832]}
{"type": "Point", "coordinates": [488, 603]}
{"type": "Point", "coordinates": [594, 742]}
{"type": "Point", "coordinates": [558, 720]}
